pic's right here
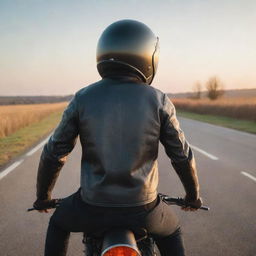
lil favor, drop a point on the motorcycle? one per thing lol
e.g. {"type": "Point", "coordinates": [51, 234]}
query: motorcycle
{"type": "Point", "coordinates": [124, 242]}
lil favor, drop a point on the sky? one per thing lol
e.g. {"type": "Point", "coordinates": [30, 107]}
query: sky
{"type": "Point", "coordinates": [48, 47]}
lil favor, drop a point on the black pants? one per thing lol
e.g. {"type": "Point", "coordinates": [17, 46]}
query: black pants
{"type": "Point", "coordinates": [73, 215]}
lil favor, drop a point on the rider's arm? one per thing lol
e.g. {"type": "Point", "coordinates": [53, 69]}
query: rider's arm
{"type": "Point", "coordinates": [178, 150]}
{"type": "Point", "coordinates": [56, 150]}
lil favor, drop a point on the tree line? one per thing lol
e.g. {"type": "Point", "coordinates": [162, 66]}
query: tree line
{"type": "Point", "coordinates": [214, 88]}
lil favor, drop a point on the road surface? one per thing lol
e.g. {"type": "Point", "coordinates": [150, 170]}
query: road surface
{"type": "Point", "coordinates": [226, 161]}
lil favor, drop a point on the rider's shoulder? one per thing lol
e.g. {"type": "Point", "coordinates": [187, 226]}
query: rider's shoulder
{"type": "Point", "coordinates": [87, 88]}
{"type": "Point", "coordinates": [160, 95]}
{"type": "Point", "coordinates": [156, 90]}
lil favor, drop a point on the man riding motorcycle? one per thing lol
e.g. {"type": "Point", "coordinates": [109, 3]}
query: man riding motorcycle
{"type": "Point", "coordinates": [120, 121]}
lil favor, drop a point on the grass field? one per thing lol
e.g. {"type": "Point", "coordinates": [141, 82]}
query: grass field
{"type": "Point", "coordinates": [241, 125]}
{"type": "Point", "coordinates": [23, 138]}
{"type": "Point", "coordinates": [236, 108]}
{"type": "Point", "coordinates": [15, 117]}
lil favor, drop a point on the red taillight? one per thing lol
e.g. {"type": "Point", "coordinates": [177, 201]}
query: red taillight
{"type": "Point", "coordinates": [121, 251]}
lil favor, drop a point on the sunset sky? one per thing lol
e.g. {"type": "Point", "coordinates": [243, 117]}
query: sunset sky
{"type": "Point", "coordinates": [48, 46]}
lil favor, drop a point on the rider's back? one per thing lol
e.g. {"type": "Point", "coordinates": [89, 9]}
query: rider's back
{"type": "Point", "coordinates": [119, 124]}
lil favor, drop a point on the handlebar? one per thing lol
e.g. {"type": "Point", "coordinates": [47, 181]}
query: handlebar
{"type": "Point", "coordinates": [179, 201]}
{"type": "Point", "coordinates": [168, 200]}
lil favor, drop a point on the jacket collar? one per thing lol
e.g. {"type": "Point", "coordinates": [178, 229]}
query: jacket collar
{"type": "Point", "coordinates": [129, 77]}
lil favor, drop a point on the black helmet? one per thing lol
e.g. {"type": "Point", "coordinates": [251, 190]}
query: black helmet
{"type": "Point", "coordinates": [128, 45]}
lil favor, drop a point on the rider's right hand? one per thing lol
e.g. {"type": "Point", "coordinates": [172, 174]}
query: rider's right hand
{"type": "Point", "coordinates": [44, 205]}
{"type": "Point", "coordinates": [192, 205]}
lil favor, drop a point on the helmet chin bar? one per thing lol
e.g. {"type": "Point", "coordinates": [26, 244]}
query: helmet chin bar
{"type": "Point", "coordinates": [107, 68]}
{"type": "Point", "coordinates": [115, 67]}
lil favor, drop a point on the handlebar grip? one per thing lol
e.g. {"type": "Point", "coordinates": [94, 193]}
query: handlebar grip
{"type": "Point", "coordinates": [205, 208]}
{"type": "Point", "coordinates": [30, 209]}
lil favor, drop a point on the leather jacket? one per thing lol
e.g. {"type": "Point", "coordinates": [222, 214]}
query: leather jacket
{"type": "Point", "coordinates": [120, 121]}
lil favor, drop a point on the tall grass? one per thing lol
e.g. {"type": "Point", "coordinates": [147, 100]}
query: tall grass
{"type": "Point", "coordinates": [14, 117]}
{"type": "Point", "coordinates": [240, 108]}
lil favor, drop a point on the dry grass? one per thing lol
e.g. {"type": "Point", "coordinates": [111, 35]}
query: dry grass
{"type": "Point", "coordinates": [240, 108]}
{"type": "Point", "coordinates": [15, 117]}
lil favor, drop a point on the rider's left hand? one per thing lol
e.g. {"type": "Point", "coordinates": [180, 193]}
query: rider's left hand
{"type": "Point", "coordinates": [44, 205]}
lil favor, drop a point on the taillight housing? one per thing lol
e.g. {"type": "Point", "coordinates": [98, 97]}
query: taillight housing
{"type": "Point", "coordinates": [120, 251]}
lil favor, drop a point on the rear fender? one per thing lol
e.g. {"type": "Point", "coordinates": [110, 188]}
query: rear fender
{"type": "Point", "coordinates": [119, 238]}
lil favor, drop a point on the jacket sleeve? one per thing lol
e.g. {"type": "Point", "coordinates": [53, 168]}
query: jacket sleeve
{"type": "Point", "coordinates": [56, 150]}
{"type": "Point", "coordinates": [178, 150]}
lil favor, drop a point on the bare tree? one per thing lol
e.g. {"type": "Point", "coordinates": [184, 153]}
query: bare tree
{"type": "Point", "coordinates": [197, 90]}
{"type": "Point", "coordinates": [214, 87]}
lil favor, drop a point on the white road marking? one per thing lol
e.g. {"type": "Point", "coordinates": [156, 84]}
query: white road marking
{"type": "Point", "coordinates": [204, 152]}
{"type": "Point", "coordinates": [249, 176]}
{"type": "Point", "coordinates": [33, 150]}
{"type": "Point", "coordinates": [10, 168]}
{"type": "Point", "coordinates": [17, 163]}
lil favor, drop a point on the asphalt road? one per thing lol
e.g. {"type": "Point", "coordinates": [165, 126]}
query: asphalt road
{"type": "Point", "coordinates": [228, 229]}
